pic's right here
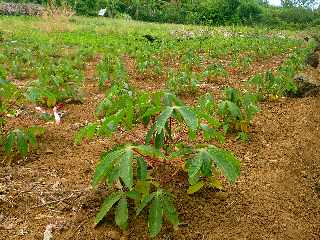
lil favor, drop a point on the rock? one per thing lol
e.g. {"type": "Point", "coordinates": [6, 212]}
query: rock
{"type": "Point", "coordinates": [150, 38]}
{"type": "Point", "coordinates": [47, 235]}
{"type": "Point", "coordinates": [49, 151]}
{"type": "Point", "coordinates": [313, 59]}
{"type": "Point", "coordinates": [222, 196]}
{"type": "Point", "coordinates": [317, 48]}
{"type": "Point", "coordinates": [306, 87]}
{"type": "Point", "coordinates": [21, 9]}
{"type": "Point", "coordinates": [114, 235]}
{"type": "Point", "coordinates": [7, 226]}
{"type": "Point", "coordinates": [124, 237]}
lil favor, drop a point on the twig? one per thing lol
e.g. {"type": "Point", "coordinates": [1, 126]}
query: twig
{"type": "Point", "coordinates": [77, 229]}
{"type": "Point", "coordinates": [56, 201]}
{"type": "Point", "coordinates": [159, 162]}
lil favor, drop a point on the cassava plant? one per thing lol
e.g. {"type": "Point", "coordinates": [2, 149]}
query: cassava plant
{"type": "Point", "coordinates": [128, 170]}
{"type": "Point", "coordinates": [278, 83]}
{"type": "Point", "coordinates": [183, 82]}
{"type": "Point", "coordinates": [238, 110]}
{"type": "Point", "coordinates": [57, 82]}
{"type": "Point", "coordinates": [16, 141]}
{"type": "Point", "coordinates": [21, 141]}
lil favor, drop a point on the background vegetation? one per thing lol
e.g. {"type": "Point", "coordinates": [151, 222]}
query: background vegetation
{"type": "Point", "coordinates": [292, 13]}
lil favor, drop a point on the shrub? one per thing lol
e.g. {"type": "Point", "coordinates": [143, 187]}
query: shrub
{"type": "Point", "coordinates": [249, 12]}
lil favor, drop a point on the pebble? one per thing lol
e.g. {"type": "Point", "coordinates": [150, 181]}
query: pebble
{"type": "Point", "coordinates": [114, 235]}
{"type": "Point", "coordinates": [222, 196]}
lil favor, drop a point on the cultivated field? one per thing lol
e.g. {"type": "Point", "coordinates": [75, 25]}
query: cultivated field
{"type": "Point", "coordinates": [182, 132]}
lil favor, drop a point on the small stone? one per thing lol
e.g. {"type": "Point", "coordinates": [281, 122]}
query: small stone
{"type": "Point", "coordinates": [49, 151]}
{"type": "Point", "coordinates": [114, 235]}
{"type": "Point", "coordinates": [317, 187]}
{"type": "Point", "coordinates": [47, 235]}
{"type": "Point", "coordinates": [313, 60]}
{"type": "Point", "coordinates": [8, 226]}
{"type": "Point", "coordinates": [3, 188]}
{"type": "Point", "coordinates": [222, 196]}
{"type": "Point", "coordinates": [124, 237]}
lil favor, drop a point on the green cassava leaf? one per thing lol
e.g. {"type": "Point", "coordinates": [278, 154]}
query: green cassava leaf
{"type": "Point", "coordinates": [9, 142]}
{"type": "Point", "coordinates": [152, 111]}
{"type": "Point", "coordinates": [194, 169]}
{"type": "Point", "coordinates": [86, 132]}
{"type": "Point", "coordinates": [206, 167]}
{"type": "Point", "coordinates": [211, 133]}
{"type": "Point", "coordinates": [150, 134]}
{"type": "Point", "coordinates": [226, 162]}
{"type": "Point", "coordinates": [189, 117]}
{"type": "Point", "coordinates": [234, 109]}
{"type": "Point", "coordinates": [126, 172]}
{"type": "Point", "coordinates": [184, 151]}
{"type": "Point", "coordinates": [113, 175]}
{"type": "Point", "coordinates": [155, 215]}
{"type": "Point", "coordinates": [144, 202]}
{"type": "Point", "coordinates": [228, 106]}
{"type": "Point", "coordinates": [22, 143]}
{"type": "Point", "coordinates": [105, 166]}
{"type": "Point", "coordinates": [107, 205]}
{"type": "Point", "coordinates": [141, 168]}
{"type": "Point", "coordinates": [121, 214]}
{"type": "Point", "coordinates": [195, 188]}
{"type": "Point", "coordinates": [159, 140]}
{"type": "Point", "coordinates": [163, 118]}
{"type": "Point", "coordinates": [102, 106]}
{"type": "Point", "coordinates": [149, 150]}
{"type": "Point", "coordinates": [134, 195]}
{"type": "Point", "coordinates": [143, 187]}
{"type": "Point", "coordinates": [169, 210]}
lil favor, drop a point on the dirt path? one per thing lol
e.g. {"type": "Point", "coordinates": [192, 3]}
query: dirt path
{"type": "Point", "coordinates": [276, 197]}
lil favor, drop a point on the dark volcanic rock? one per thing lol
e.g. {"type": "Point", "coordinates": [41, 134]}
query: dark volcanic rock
{"type": "Point", "coordinates": [21, 9]}
{"type": "Point", "coordinates": [313, 59]}
{"type": "Point", "coordinates": [305, 87]}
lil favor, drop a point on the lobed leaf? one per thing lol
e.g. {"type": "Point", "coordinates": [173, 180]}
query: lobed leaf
{"type": "Point", "coordinates": [141, 168]}
{"type": "Point", "coordinates": [189, 117]}
{"type": "Point", "coordinates": [144, 202]}
{"type": "Point", "coordinates": [105, 166]}
{"type": "Point", "coordinates": [155, 215]}
{"type": "Point", "coordinates": [107, 205]}
{"type": "Point", "coordinates": [194, 169]}
{"type": "Point", "coordinates": [226, 162]}
{"type": "Point", "coordinates": [169, 210]}
{"type": "Point", "coordinates": [121, 214]}
{"type": "Point", "coordinates": [9, 142]}
{"type": "Point", "coordinates": [126, 172]}
{"type": "Point", "coordinates": [22, 143]}
{"type": "Point", "coordinates": [163, 118]}
{"type": "Point", "coordinates": [195, 188]}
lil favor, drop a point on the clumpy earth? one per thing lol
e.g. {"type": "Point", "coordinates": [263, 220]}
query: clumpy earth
{"type": "Point", "coordinates": [276, 197]}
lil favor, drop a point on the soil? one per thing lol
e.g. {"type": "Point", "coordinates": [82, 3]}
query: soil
{"type": "Point", "coordinates": [276, 197]}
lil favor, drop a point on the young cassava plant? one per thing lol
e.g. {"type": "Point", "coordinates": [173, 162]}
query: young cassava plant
{"type": "Point", "coordinates": [238, 110]}
{"type": "Point", "coordinates": [125, 169]}
{"type": "Point", "coordinates": [17, 141]}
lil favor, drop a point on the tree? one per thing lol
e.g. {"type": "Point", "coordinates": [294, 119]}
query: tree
{"type": "Point", "coordinates": [300, 3]}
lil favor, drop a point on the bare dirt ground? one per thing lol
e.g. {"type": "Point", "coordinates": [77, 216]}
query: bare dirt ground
{"type": "Point", "coordinates": [276, 197]}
